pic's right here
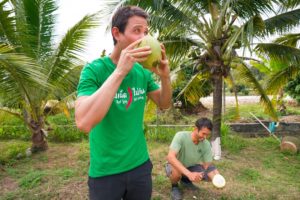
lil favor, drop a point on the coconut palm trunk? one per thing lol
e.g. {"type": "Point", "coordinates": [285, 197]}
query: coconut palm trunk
{"type": "Point", "coordinates": [39, 142]}
{"type": "Point", "coordinates": [217, 115]}
{"type": "Point", "coordinates": [36, 127]}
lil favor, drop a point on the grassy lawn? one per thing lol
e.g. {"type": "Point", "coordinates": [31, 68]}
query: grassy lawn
{"type": "Point", "coordinates": [254, 170]}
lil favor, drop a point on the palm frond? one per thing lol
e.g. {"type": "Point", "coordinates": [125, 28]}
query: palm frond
{"type": "Point", "coordinates": [35, 21]}
{"type": "Point", "coordinates": [280, 78]}
{"type": "Point", "coordinates": [220, 20]}
{"type": "Point", "coordinates": [280, 53]}
{"type": "Point", "coordinates": [247, 8]}
{"type": "Point", "coordinates": [289, 40]}
{"type": "Point", "coordinates": [228, 46]}
{"type": "Point", "coordinates": [13, 112]}
{"type": "Point", "coordinates": [70, 47]}
{"type": "Point", "coordinates": [287, 4]}
{"type": "Point", "coordinates": [177, 47]}
{"type": "Point", "coordinates": [7, 24]}
{"type": "Point", "coordinates": [67, 83]}
{"type": "Point", "coordinates": [18, 74]}
{"type": "Point", "coordinates": [195, 88]}
{"type": "Point", "coordinates": [282, 22]}
{"type": "Point", "coordinates": [46, 23]}
{"type": "Point", "coordinates": [248, 77]}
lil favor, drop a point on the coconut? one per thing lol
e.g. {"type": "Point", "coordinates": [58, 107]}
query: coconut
{"type": "Point", "coordinates": [219, 181]}
{"type": "Point", "coordinates": [153, 60]}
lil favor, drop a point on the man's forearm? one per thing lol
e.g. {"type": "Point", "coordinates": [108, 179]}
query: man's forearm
{"type": "Point", "coordinates": [92, 109]}
{"type": "Point", "coordinates": [166, 93]}
{"type": "Point", "coordinates": [178, 165]}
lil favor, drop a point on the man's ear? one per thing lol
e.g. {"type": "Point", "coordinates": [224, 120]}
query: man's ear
{"type": "Point", "coordinates": [115, 33]}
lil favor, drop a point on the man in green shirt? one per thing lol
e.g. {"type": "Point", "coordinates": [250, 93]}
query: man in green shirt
{"type": "Point", "coordinates": [189, 158]}
{"type": "Point", "coordinates": [112, 94]}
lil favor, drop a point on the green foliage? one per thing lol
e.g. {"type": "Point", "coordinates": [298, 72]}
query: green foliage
{"type": "Point", "coordinates": [12, 151]}
{"type": "Point", "coordinates": [14, 132]}
{"type": "Point", "coordinates": [189, 87]}
{"type": "Point", "coordinates": [230, 142]}
{"type": "Point", "coordinates": [66, 134]}
{"type": "Point", "coordinates": [240, 88]}
{"type": "Point", "coordinates": [32, 179]}
{"type": "Point", "coordinates": [12, 127]}
{"type": "Point", "coordinates": [162, 133]}
{"type": "Point", "coordinates": [293, 88]}
{"type": "Point", "coordinates": [63, 129]}
{"type": "Point", "coordinates": [34, 67]}
{"type": "Point", "coordinates": [150, 112]}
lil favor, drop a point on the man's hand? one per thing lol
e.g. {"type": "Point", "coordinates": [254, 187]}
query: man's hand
{"type": "Point", "coordinates": [130, 55]}
{"type": "Point", "coordinates": [163, 70]}
{"type": "Point", "coordinates": [195, 176]}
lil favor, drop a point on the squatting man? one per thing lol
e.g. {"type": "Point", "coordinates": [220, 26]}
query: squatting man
{"type": "Point", "coordinates": [190, 159]}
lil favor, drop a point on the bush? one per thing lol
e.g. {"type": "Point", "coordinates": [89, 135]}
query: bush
{"type": "Point", "coordinates": [14, 132]}
{"type": "Point", "coordinates": [240, 88]}
{"type": "Point", "coordinates": [66, 134]}
{"type": "Point", "coordinates": [12, 151]}
{"type": "Point", "coordinates": [293, 88]}
{"type": "Point", "coordinates": [162, 134]}
{"type": "Point", "coordinates": [12, 127]}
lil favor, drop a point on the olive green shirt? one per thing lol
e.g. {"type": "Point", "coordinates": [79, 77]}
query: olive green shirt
{"type": "Point", "coordinates": [188, 153]}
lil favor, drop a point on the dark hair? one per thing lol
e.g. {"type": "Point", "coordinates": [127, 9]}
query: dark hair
{"type": "Point", "coordinates": [203, 123]}
{"type": "Point", "coordinates": [121, 16]}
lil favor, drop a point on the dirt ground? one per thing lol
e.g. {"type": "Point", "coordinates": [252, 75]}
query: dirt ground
{"type": "Point", "coordinates": [230, 100]}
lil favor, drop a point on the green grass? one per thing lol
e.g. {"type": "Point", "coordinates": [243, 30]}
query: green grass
{"type": "Point", "coordinates": [257, 171]}
{"type": "Point", "coordinates": [254, 168]}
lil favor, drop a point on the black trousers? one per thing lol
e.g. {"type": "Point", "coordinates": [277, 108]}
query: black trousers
{"type": "Point", "coordinates": [135, 184]}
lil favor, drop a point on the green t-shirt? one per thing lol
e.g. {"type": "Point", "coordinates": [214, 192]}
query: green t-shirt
{"type": "Point", "coordinates": [117, 143]}
{"type": "Point", "coordinates": [188, 153]}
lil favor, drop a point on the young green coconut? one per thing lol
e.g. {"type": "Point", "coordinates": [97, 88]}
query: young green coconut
{"type": "Point", "coordinates": [153, 60]}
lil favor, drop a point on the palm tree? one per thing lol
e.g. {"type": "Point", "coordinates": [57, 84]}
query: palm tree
{"type": "Point", "coordinates": [34, 69]}
{"type": "Point", "coordinates": [283, 59]}
{"type": "Point", "coordinates": [216, 30]}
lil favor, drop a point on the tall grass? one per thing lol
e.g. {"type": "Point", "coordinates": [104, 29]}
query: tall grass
{"type": "Point", "coordinates": [233, 143]}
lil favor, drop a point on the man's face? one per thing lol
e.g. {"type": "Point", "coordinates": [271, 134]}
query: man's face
{"type": "Point", "coordinates": [136, 28]}
{"type": "Point", "coordinates": [203, 133]}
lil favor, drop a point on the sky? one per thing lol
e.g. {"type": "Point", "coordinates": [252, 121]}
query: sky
{"type": "Point", "coordinates": [70, 12]}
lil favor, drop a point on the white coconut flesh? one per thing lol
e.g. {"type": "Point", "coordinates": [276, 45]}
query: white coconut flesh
{"type": "Point", "coordinates": [219, 181]}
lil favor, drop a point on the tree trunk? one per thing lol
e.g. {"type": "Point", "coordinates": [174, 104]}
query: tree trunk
{"type": "Point", "coordinates": [38, 137]}
{"type": "Point", "coordinates": [217, 116]}
{"type": "Point", "coordinates": [281, 105]}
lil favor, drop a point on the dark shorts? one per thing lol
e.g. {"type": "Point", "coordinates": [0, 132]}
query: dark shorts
{"type": "Point", "coordinates": [195, 168]}
{"type": "Point", "coordinates": [135, 184]}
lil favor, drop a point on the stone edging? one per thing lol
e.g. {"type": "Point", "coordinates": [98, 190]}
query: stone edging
{"type": "Point", "coordinates": [256, 129]}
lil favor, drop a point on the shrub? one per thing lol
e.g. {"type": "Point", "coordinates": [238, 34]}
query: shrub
{"type": "Point", "coordinates": [162, 134]}
{"type": "Point", "coordinates": [12, 151]}
{"type": "Point", "coordinates": [66, 134]}
{"type": "Point", "coordinates": [293, 88]}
